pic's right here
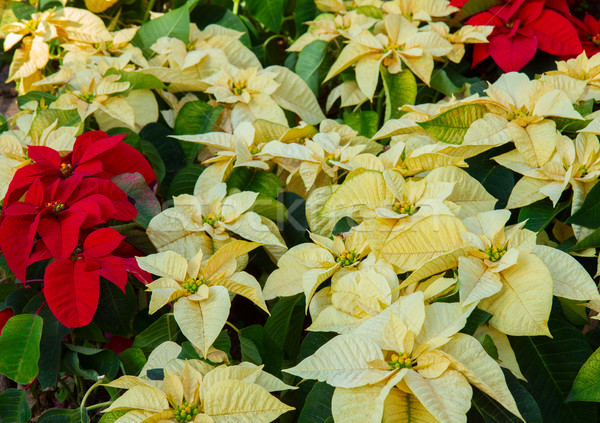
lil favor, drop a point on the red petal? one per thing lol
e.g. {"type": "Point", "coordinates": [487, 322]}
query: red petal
{"type": "Point", "coordinates": [44, 156]}
{"type": "Point", "coordinates": [5, 314]}
{"type": "Point", "coordinates": [530, 11]}
{"type": "Point", "coordinates": [83, 142]}
{"type": "Point", "coordinates": [592, 24]}
{"type": "Point", "coordinates": [35, 194]}
{"type": "Point", "coordinates": [480, 53]}
{"type": "Point", "coordinates": [124, 158]}
{"type": "Point", "coordinates": [71, 292]}
{"type": "Point", "coordinates": [556, 34]}
{"type": "Point", "coordinates": [511, 54]}
{"type": "Point", "coordinates": [61, 232]}
{"type": "Point", "coordinates": [133, 268]}
{"type": "Point", "coordinates": [113, 269]}
{"type": "Point", "coordinates": [561, 5]}
{"type": "Point", "coordinates": [102, 242]}
{"type": "Point", "coordinates": [16, 240]}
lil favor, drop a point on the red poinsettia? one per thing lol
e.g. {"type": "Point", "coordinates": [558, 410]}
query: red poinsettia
{"type": "Point", "coordinates": [56, 214]}
{"type": "Point", "coordinates": [521, 28]}
{"type": "Point", "coordinates": [94, 154]}
{"type": "Point", "coordinates": [589, 33]}
{"type": "Point", "coordinates": [72, 284]}
{"type": "Point", "coordinates": [5, 314]}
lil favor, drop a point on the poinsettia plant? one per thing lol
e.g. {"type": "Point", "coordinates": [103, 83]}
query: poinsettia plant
{"type": "Point", "coordinates": [300, 211]}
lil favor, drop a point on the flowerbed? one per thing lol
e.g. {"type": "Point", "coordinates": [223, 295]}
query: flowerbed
{"type": "Point", "coordinates": [349, 211]}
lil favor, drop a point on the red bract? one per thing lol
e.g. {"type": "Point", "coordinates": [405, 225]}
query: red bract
{"type": "Point", "coordinates": [94, 154]}
{"type": "Point", "coordinates": [589, 33]}
{"type": "Point", "coordinates": [523, 27]}
{"type": "Point", "coordinates": [72, 285]}
{"type": "Point", "coordinates": [57, 214]}
{"type": "Point", "coordinates": [5, 314]}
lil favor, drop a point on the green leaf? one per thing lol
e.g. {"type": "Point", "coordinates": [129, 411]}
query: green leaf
{"type": "Point", "coordinates": [489, 346]}
{"type": "Point", "coordinates": [473, 7]}
{"type": "Point", "coordinates": [270, 208]}
{"type": "Point", "coordinates": [574, 311]}
{"type": "Point", "coordinates": [246, 179]}
{"type": "Point", "coordinates": [140, 194]}
{"type": "Point", "coordinates": [492, 412]}
{"type": "Point", "coordinates": [175, 23]}
{"type": "Point", "coordinates": [588, 214]}
{"type": "Point", "coordinates": [164, 329]}
{"type": "Point", "coordinates": [223, 343]}
{"type": "Point", "coordinates": [364, 122]}
{"type": "Point", "coordinates": [53, 333]}
{"type": "Point", "coordinates": [587, 383]}
{"type": "Point", "coordinates": [312, 342]}
{"type": "Point", "coordinates": [257, 345]}
{"type": "Point", "coordinates": [19, 298]}
{"type": "Point", "coordinates": [309, 62]}
{"type": "Point", "coordinates": [13, 406]}
{"type": "Point", "coordinates": [137, 81]}
{"type": "Point", "coordinates": [267, 12]}
{"type": "Point", "coordinates": [115, 309]}
{"type": "Point", "coordinates": [306, 10]}
{"type": "Point", "coordinates": [451, 126]}
{"type": "Point", "coordinates": [168, 148]}
{"type": "Point", "coordinates": [22, 10]}
{"type": "Point", "coordinates": [21, 336]}
{"type": "Point", "coordinates": [540, 214]}
{"type": "Point", "coordinates": [441, 82]}
{"type": "Point", "coordinates": [370, 11]}
{"type": "Point", "coordinates": [477, 318]}
{"type": "Point", "coordinates": [550, 366]}
{"type": "Point", "coordinates": [195, 117]}
{"type": "Point", "coordinates": [343, 225]}
{"type": "Point", "coordinates": [590, 241]}
{"type": "Point", "coordinates": [113, 416]}
{"type": "Point", "coordinates": [400, 89]}
{"type": "Point", "coordinates": [133, 359]}
{"type": "Point", "coordinates": [278, 323]}
{"type": "Point", "coordinates": [35, 96]}
{"type": "Point", "coordinates": [91, 363]}
{"type": "Point", "coordinates": [60, 415]}
{"type": "Point", "coordinates": [317, 408]}
{"type": "Point", "coordinates": [185, 180]}
{"type": "Point", "coordinates": [497, 180]}
{"type": "Point", "coordinates": [249, 350]}
{"type": "Point", "coordinates": [144, 147]}
{"type": "Point", "coordinates": [213, 14]}
{"type": "Point", "coordinates": [45, 118]}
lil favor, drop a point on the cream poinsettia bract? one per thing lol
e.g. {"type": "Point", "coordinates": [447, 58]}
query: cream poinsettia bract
{"type": "Point", "coordinates": [409, 357]}
{"type": "Point", "coordinates": [200, 289]}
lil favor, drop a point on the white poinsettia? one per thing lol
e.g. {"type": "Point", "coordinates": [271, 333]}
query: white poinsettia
{"type": "Point", "coordinates": [585, 69]}
{"type": "Point", "coordinates": [194, 391]}
{"type": "Point", "coordinates": [408, 353]}
{"type": "Point", "coordinates": [200, 289]}
{"type": "Point", "coordinates": [199, 221]}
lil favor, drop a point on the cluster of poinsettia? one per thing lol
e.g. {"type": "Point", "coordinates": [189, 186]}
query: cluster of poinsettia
{"type": "Point", "coordinates": [57, 207]}
{"type": "Point", "coordinates": [425, 231]}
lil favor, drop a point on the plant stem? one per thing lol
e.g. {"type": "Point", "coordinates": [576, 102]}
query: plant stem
{"type": "Point", "coordinates": [236, 6]}
{"type": "Point", "coordinates": [89, 391]}
{"type": "Point", "coordinates": [233, 327]}
{"type": "Point", "coordinates": [102, 404]}
{"type": "Point", "coordinates": [148, 10]}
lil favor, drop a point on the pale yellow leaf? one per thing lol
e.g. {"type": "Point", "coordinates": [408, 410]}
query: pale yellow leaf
{"type": "Point", "coordinates": [235, 401]}
{"type": "Point", "coordinates": [480, 369]}
{"type": "Point", "coordinates": [522, 307]}
{"type": "Point", "coordinates": [167, 264]}
{"type": "Point", "coordinates": [142, 398]}
{"type": "Point", "coordinates": [343, 362]}
{"type": "Point", "coordinates": [571, 280]}
{"type": "Point", "coordinates": [506, 355]}
{"type": "Point", "coordinates": [402, 407]}
{"type": "Point", "coordinates": [202, 321]}
{"type": "Point", "coordinates": [350, 405]}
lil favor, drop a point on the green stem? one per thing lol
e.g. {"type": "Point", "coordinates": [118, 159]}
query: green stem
{"type": "Point", "coordinates": [380, 106]}
{"type": "Point", "coordinates": [89, 391]}
{"type": "Point", "coordinates": [148, 10]}
{"type": "Point", "coordinates": [102, 404]}
{"type": "Point", "coordinates": [236, 6]}
{"type": "Point", "coordinates": [233, 327]}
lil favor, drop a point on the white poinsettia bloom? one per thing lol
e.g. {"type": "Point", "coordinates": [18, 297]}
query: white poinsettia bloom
{"type": "Point", "coordinates": [585, 69]}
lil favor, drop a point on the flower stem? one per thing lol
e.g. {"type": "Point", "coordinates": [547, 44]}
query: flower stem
{"type": "Point", "coordinates": [233, 327]}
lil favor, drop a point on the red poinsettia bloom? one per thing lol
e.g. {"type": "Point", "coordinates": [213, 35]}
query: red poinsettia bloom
{"type": "Point", "coordinates": [72, 285]}
{"type": "Point", "coordinates": [589, 33]}
{"type": "Point", "coordinates": [523, 27]}
{"type": "Point", "coordinates": [5, 314]}
{"type": "Point", "coordinates": [57, 214]}
{"type": "Point", "coordinates": [94, 154]}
